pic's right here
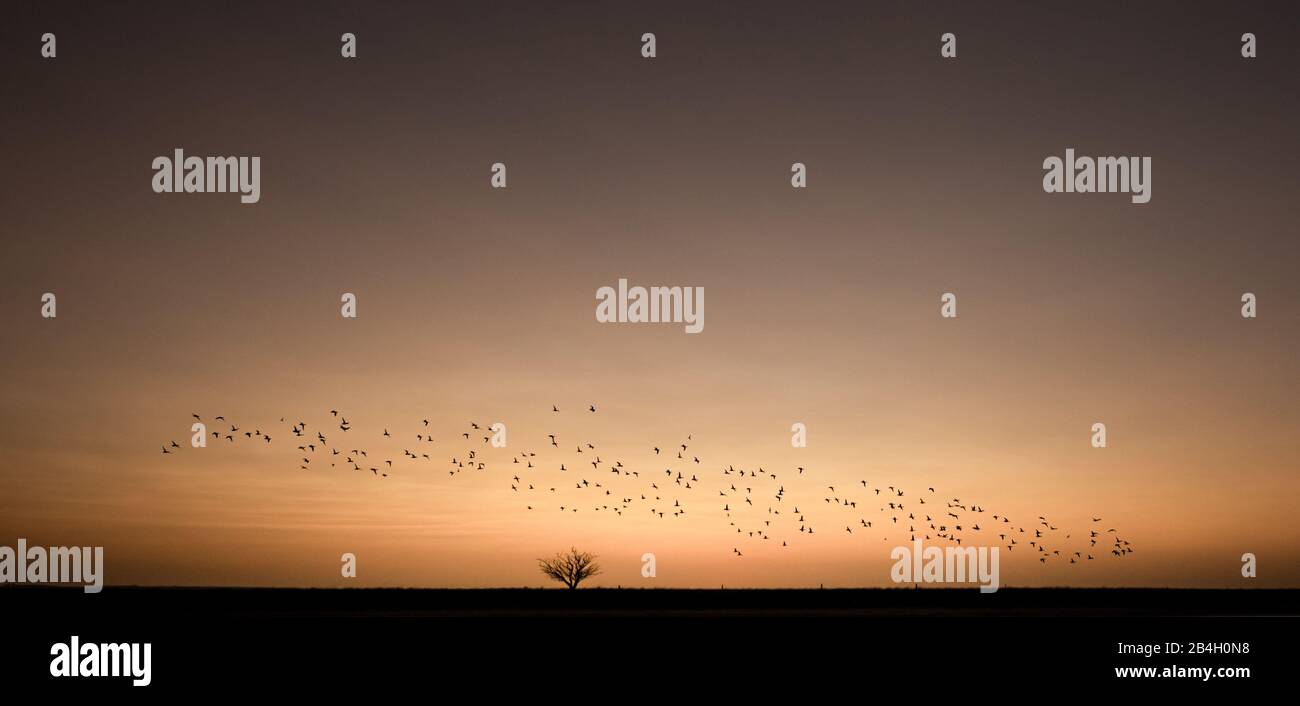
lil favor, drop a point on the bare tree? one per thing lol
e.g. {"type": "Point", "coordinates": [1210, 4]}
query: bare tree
{"type": "Point", "coordinates": [570, 568]}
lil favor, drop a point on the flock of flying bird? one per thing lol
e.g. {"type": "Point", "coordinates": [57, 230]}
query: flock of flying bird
{"type": "Point", "coordinates": [754, 501]}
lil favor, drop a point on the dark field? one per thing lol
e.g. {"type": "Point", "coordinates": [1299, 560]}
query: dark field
{"type": "Point", "coordinates": [652, 603]}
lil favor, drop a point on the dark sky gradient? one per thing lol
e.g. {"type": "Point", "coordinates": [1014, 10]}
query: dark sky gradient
{"type": "Point", "coordinates": [822, 304]}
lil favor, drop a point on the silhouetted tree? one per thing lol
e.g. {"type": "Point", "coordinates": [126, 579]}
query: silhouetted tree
{"type": "Point", "coordinates": [570, 568]}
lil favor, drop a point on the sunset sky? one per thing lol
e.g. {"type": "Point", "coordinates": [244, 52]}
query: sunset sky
{"type": "Point", "coordinates": [477, 304]}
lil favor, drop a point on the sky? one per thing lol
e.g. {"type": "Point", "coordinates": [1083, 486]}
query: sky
{"type": "Point", "coordinates": [476, 305]}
